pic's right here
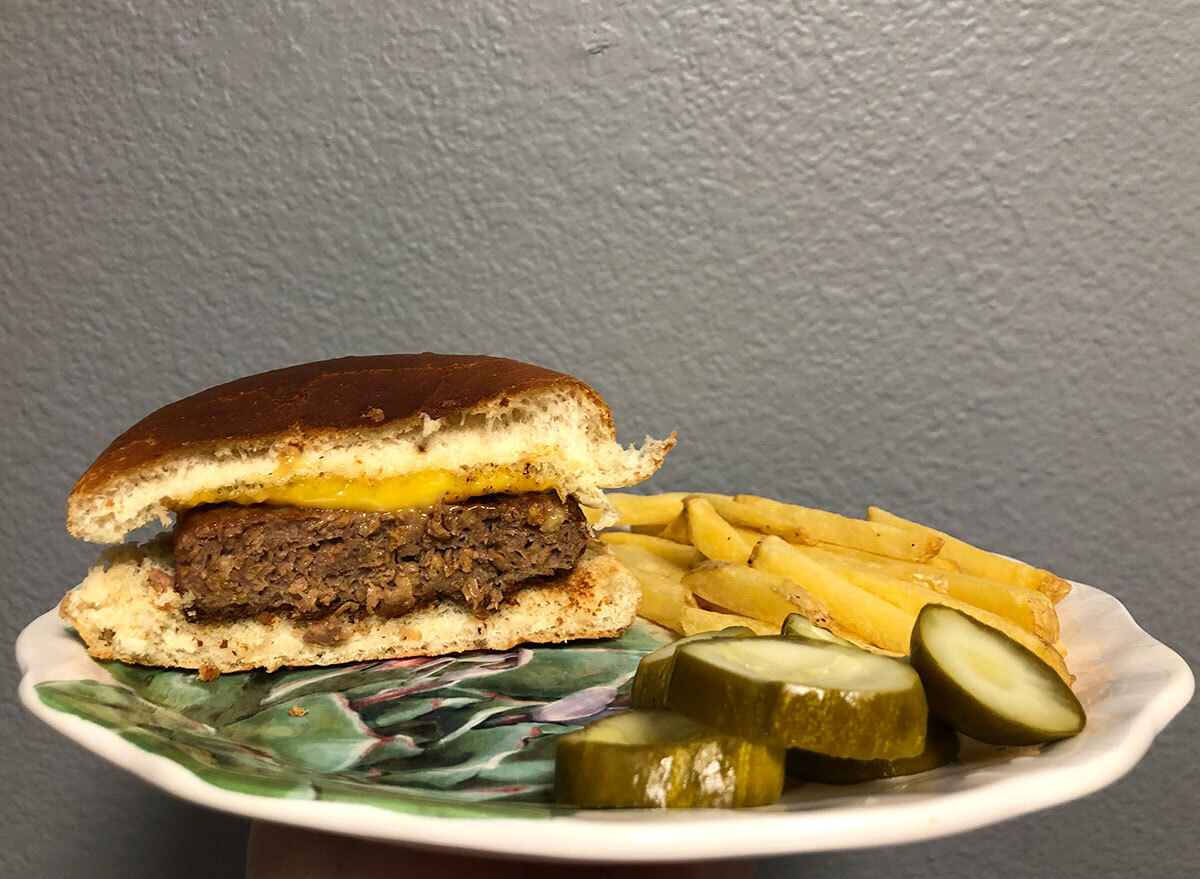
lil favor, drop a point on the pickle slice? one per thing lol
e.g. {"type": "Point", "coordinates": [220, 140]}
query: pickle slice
{"type": "Point", "coordinates": [797, 625]}
{"type": "Point", "coordinates": [838, 701]}
{"type": "Point", "coordinates": [662, 760]}
{"type": "Point", "coordinates": [941, 746]}
{"type": "Point", "coordinates": [650, 681]}
{"type": "Point", "coordinates": [987, 685]}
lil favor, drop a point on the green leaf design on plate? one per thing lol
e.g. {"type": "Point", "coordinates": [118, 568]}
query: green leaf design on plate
{"type": "Point", "coordinates": [458, 736]}
{"type": "Point", "coordinates": [319, 732]}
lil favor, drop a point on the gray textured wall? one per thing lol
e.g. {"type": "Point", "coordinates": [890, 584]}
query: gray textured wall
{"type": "Point", "coordinates": [943, 257]}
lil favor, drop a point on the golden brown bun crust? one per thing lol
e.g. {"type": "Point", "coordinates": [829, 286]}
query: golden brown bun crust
{"type": "Point", "coordinates": [325, 396]}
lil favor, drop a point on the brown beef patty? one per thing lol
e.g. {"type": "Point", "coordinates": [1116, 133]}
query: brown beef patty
{"type": "Point", "coordinates": [234, 562]}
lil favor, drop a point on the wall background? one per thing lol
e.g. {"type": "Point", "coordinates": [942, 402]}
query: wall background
{"type": "Point", "coordinates": [942, 257]}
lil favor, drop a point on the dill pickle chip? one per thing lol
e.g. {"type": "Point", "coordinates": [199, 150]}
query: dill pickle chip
{"type": "Point", "coordinates": [941, 746]}
{"type": "Point", "coordinates": [987, 685]}
{"type": "Point", "coordinates": [799, 626]}
{"type": "Point", "coordinates": [657, 759]}
{"type": "Point", "coordinates": [838, 701]}
{"type": "Point", "coordinates": [650, 681]}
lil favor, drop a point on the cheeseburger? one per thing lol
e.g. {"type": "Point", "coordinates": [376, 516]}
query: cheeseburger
{"type": "Point", "coordinates": [357, 509]}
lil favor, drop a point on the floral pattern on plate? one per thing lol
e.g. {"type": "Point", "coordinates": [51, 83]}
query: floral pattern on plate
{"type": "Point", "coordinates": [468, 735]}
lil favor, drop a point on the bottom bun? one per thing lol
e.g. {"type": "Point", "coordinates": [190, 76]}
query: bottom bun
{"type": "Point", "coordinates": [127, 609]}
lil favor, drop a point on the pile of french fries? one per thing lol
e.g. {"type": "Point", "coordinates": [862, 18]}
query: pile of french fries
{"type": "Point", "coordinates": [707, 561]}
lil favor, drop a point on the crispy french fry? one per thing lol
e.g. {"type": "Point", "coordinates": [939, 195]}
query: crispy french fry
{"type": "Point", "coordinates": [676, 553]}
{"type": "Point", "coordinates": [748, 534]}
{"type": "Point", "coordinates": [695, 620]}
{"type": "Point", "coordinates": [871, 617]}
{"type": "Point", "coordinates": [1033, 611]}
{"type": "Point", "coordinates": [828, 527]}
{"type": "Point", "coordinates": [745, 591]}
{"type": "Point", "coordinates": [1030, 610]}
{"type": "Point", "coordinates": [912, 597]}
{"type": "Point", "coordinates": [1031, 642]}
{"type": "Point", "coordinates": [743, 515]}
{"type": "Point", "coordinates": [806, 604]}
{"type": "Point", "coordinates": [663, 595]}
{"type": "Point", "coordinates": [676, 529]}
{"type": "Point", "coordinates": [980, 562]}
{"type": "Point", "coordinates": [663, 599]}
{"type": "Point", "coordinates": [647, 509]}
{"type": "Point", "coordinates": [945, 564]}
{"type": "Point", "coordinates": [875, 558]}
{"type": "Point", "coordinates": [638, 558]}
{"type": "Point", "coordinates": [746, 579]}
{"type": "Point", "coordinates": [859, 641]}
{"type": "Point", "coordinates": [711, 534]}
{"type": "Point", "coordinates": [653, 530]}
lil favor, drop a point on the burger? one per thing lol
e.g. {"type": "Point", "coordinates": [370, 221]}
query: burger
{"type": "Point", "coordinates": [357, 509]}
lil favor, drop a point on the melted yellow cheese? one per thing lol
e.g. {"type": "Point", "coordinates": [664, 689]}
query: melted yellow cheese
{"type": "Point", "coordinates": [392, 493]}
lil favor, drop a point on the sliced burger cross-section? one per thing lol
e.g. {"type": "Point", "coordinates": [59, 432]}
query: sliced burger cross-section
{"type": "Point", "coordinates": [235, 562]}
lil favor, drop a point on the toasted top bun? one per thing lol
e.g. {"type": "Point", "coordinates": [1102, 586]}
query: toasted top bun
{"type": "Point", "coordinates": [363, 418]}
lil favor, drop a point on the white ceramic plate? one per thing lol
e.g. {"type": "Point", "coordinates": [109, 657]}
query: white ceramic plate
{"type": "Point", "coordinates": [467, 787]}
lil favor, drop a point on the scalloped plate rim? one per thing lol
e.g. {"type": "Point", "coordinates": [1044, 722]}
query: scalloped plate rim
{"type": "Point", "coordinates": [631, 836]}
